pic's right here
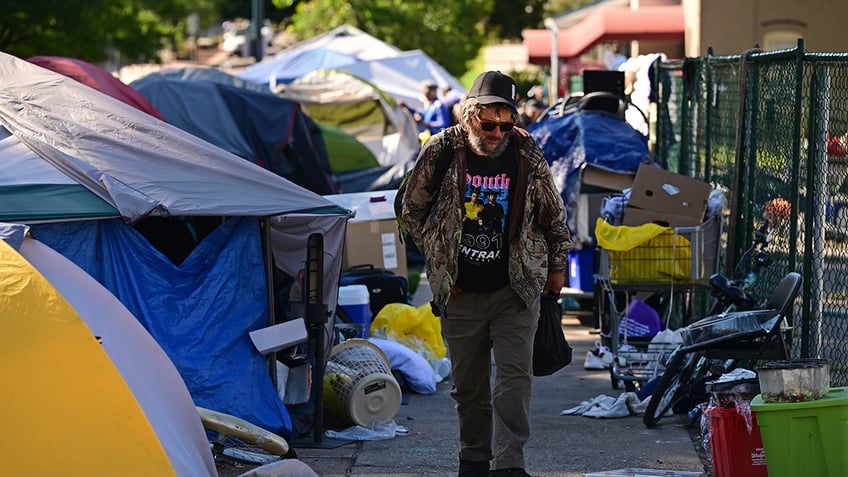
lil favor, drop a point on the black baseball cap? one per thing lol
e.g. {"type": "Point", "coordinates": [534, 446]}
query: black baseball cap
{"type": "Point", "coordinates": [493, 87]}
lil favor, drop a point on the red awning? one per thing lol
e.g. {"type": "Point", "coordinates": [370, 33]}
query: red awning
{"type": "Point", "coordinates": [662, 22]}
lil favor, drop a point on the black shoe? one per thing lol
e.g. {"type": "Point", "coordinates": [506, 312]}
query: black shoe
{"type": "Point", "coordinates": [511, 472]}
{"type": "Point", "coordinates": [473, 468]}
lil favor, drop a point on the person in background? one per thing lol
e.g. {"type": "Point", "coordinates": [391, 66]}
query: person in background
{"type": "Point", "coordinates": [530, 110]}
{"type": "Point", "coordinates": [452, 98]}
{"type": "Point", "coordinates": [435, 116]}
{"type": "Point", "coordinates": [487, 282]}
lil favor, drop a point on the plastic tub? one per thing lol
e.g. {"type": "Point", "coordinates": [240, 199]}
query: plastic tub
{"type": "Point", "coordinates": [805, 438]}
{"type": "Point", "coordinates": [794, 381]}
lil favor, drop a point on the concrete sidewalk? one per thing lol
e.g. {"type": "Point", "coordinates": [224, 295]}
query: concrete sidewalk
{"type": "Point", "coordinates": [568, 446]}
{"type": "Point", "coordinates": [562, 446]}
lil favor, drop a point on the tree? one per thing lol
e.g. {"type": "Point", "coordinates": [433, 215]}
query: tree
{"type": "Point", "coordinates": [450, 32]}
{"type": "Point", "coordinates": [509, 18]}
{"type": "Point", "coordinates": [89, 29]}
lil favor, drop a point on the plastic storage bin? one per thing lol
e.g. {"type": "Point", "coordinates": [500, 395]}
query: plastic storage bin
{"type": "Point", "coordinates": [805, 438]}
{"type": "Point", "coordinates": [794, 381]}
{"type": "Point", "coordinates": [581, 269]}
{"type": "Point", "coordinates": [356, 301]}
{"type": "Point", "coordinates": [735, 451]}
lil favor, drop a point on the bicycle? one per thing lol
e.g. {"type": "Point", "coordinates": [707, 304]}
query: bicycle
{"type": "Point", "coordinates": [719, 343]}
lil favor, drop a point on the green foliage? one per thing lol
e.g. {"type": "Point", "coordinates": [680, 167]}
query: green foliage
{"type": "Point", "coordinates": [557, 7]}
{"type": "Point", "coordinates": [526, 79]}
{"type": "Point", "coordinates": [510, 18]}
{"type": "Point", "coordinates": [451, 33]}
{"type": "Point", "coordinates": [88, 29]}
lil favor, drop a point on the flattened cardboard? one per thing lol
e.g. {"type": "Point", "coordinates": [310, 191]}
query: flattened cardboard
{"type": "Point", "coordinates": [614, 181]}
{"type": "Point", "coordinates": [669, 194]}
{"type": "Point", "coordinates": [634, 217]}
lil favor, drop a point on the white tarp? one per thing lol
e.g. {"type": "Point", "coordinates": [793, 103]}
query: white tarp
{"type": "Point", "coordinates": [396, 72]}
{"type": "Point", "coordinates": [139, 165]}
{"type": "Point", "coordinates": [392, 139]}
{"type": "Point", "coordinates": [401, 75]}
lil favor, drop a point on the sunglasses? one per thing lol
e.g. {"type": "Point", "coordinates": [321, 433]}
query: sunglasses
{"type": "Point", "coordinates": [491, 125]}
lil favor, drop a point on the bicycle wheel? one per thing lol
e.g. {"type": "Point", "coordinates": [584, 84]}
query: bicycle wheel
{"type": "Point", "coordinates": [674, 384]}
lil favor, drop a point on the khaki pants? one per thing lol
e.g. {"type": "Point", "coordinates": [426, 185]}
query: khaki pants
{"type": "Point", "coordinates": [494, 420]}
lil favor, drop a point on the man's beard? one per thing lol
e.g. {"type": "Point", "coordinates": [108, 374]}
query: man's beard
{"type": "Point", "coordinates": [479, 143]}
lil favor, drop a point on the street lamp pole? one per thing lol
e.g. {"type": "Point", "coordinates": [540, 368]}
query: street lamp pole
{"type": "Point", "coordinates": [256, 22]}
{"type": "Point", "coordinates": [554, 86]}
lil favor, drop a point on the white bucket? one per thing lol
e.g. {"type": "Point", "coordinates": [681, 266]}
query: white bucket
{"type": "Point", "coordinates": [359, 387]}
{"type": "Point", "coordinates": [356, 301]}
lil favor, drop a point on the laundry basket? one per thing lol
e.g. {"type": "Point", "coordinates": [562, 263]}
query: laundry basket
{"type": "Point", "coordinates": [358, 384]}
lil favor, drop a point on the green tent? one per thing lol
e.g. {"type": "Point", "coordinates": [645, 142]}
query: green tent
{"type": "Point", "coordinates": [346, 153]}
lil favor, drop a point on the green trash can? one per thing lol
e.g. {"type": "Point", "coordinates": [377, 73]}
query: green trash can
{"type": "Point", "coordinates": [805, 438]}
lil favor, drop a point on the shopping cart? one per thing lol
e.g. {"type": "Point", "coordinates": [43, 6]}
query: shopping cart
{"type": "Point", "coordinates": [673, 262]}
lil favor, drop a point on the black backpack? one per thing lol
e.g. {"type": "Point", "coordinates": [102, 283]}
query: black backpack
{"type": "Point", "coordinates": [442, 164]}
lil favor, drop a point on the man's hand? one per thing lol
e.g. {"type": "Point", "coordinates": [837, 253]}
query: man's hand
{"type": "Point", "coordinates": [554, 283]}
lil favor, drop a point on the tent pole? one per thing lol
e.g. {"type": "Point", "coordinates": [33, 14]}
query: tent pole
{"type": "Point", "coordinates": [268, 260]}
{"type": "Point", "coordinates": [316, 319]}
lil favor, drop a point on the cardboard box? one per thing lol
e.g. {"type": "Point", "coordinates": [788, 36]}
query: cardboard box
{"type": "Point", "coordinates": [375, 242]}
{"type": "Point", "coordinates": [604, 179]}
{"type": "Point", "coordinates": [667, 198]}
{"type": "Point", "coordinates": [372, 233]}
{"type": "Point", "coordinates": [279, 336]}
{"type": "Point", "coordinates": [634, 216]}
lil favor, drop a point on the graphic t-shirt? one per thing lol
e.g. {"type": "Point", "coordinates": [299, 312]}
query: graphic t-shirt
{"type": "Point", "coordinates": [483, 261]}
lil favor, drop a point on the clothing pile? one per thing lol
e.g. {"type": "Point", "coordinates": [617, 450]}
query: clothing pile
{"type": "Point", "coordinates": [609, 407]}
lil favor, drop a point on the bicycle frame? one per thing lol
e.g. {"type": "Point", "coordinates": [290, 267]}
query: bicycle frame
{"type": "Point", "coordinates": [732, 337]}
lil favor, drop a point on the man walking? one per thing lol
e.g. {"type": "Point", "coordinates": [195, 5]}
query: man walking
{"type": "Point", "coordinates": [486, 281]}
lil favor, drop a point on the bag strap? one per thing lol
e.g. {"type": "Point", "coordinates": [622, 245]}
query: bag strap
{"type": "Point", "coordinates": [442, 166]}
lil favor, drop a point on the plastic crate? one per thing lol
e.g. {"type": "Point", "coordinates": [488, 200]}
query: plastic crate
{"type": "Point", "coordinates": [805, 438]}
{"type": "Point", "coordinates": [678, 255]}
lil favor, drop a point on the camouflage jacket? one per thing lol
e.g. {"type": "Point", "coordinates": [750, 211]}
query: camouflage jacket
{"type": "Point", "coordinates": [539, 239]}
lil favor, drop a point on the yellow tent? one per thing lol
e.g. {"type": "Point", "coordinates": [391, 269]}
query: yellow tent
{"type": "Point", "coordinates": [66, 407]}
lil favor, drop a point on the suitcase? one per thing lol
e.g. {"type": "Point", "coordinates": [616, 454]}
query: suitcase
{"type": "Point", "coordinates": [384, 286]}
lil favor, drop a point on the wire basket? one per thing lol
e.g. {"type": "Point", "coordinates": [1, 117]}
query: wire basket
{"type": "Point", "coordinates": [678, 255]}
{"type": "Point", "coordinates": [359, 387]}
{"type": "Point", "coordinates": [640, 363]}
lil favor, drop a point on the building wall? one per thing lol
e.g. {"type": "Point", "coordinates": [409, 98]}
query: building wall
{"type": "Point", "coordinates": [733, 26]}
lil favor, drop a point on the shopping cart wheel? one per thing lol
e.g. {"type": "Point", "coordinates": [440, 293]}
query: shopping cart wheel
{"type": "Point", "coordinates": [615, 380]}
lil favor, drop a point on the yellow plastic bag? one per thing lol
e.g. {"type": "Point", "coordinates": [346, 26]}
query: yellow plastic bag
{"type": "Point", "coordinates": [644, 253]}
{"type": "Point", "coordinates": [417, 328]}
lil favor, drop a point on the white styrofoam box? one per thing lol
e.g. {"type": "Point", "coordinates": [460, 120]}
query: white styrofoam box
{"type": "Point", "coordinates": [279, 336]}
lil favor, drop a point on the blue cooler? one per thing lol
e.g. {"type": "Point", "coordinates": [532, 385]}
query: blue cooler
{"type": "Point", "coordinates": [355, 300]}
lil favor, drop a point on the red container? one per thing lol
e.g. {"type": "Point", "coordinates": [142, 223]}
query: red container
{"type": "Point", "coordinates": [735, 451]}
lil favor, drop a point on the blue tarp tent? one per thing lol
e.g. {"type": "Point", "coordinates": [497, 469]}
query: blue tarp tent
{"type": "Point", "coordinates": [285, 68]}
{"type": "Point", "coordinates": [578, 137]}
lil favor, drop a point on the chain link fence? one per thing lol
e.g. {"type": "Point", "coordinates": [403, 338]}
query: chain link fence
{"type": "Point", "coordinates": [772, 129]}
